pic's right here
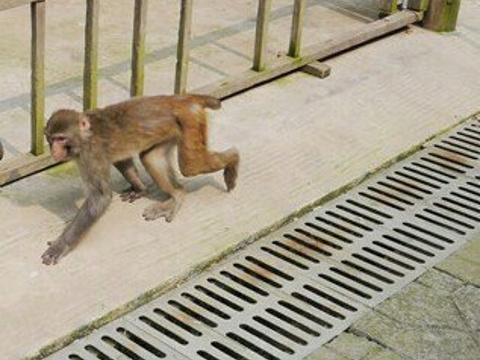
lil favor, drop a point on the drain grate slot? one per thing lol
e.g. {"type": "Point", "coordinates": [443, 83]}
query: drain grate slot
{"type": "Point", "coordinates": [290, 292]}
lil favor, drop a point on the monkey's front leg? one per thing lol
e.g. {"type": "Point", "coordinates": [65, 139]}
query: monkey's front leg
{"type": "Point", "coordinates": [94, 206]}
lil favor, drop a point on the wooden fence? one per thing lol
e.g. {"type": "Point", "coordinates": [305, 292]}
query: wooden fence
{"type": "Point", "coordinates": [261, 71]}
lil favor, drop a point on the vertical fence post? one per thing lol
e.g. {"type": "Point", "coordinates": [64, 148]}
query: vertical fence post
{"type": "Point", "coordinates": [138, 48]}
{"type": "Point", "coordinates": [37, 13]}
{"type": "Point", "coordinates": [184, 31]}
{"type": "Point", "coordinates": [297, 25]}
{"type": "Point", "coordinates": [387, 7]}
{"type": "Point", "coordinates": [261, 35]}
{"type": "Point", "coordinates": [442, 15]}
{"type": "Point", "coordinates": [418, 5]}
{"type": "Point", "coordinates": [90, 74]}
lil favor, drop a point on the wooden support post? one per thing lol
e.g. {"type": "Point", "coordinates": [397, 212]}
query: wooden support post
{"type": "Point", "coordinates": [37, 13]}
{"type": "Point", "coordinates": [442, 15]}
{"type": "Point", "coordinates": [183, 47]}
{"type": "Point", "coordinates": [90, 73]}
{"type": "Point", "coordinates": [418, 5]}
{"type": "Point", "coordinates": [318, 69]}
{"type": "Point", "coordinates": [138, 48]}
{"type": "Point", "coordinates": [387, 7]}
{"type": "Point", "coordinates": [261, 35]}
{"type": "Point", "coordinates": [296, 31]}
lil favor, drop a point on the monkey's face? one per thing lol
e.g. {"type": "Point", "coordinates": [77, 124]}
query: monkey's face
{"type": "Point", "coordinates": [63, 135]}
{"type": "Point", "coordinates": [60, 147]}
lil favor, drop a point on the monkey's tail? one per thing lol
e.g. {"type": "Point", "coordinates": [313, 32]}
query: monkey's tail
{"type": "Point", "coordinates": [208, 101]}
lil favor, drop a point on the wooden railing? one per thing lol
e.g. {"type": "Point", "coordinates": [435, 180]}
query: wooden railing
{"type": "Point", "coordinates": [261, 71]}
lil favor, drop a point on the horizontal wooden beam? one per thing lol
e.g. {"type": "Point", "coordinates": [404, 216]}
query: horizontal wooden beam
{"type": "Point", "coordinates": [10, 4]}
{"type": "Point", "coordinates": [283, 65]}
{"type": "Point", "coordinates": [23, 165]}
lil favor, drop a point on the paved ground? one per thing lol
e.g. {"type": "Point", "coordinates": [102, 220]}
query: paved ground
{"type": "Point", "coordinates": [301, 139]}
{"type": "Point", "coordinates": [435, 318]}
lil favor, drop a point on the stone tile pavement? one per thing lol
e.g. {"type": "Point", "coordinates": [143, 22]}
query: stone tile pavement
{"type": "Point", "coordinates": [437, 317]}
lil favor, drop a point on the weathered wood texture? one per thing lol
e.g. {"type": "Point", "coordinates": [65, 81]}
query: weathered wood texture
{"type": "Point", "coordinates": [283, 65]}
{"type": "Point", "coordinates": [261, 35]}
{"type": "Point", "coordinates": [387, 7]}
{"type": "Point", "coordinates": [37, 13]}
{"type": "Point", "coordinates": [9, 4]}
{"type": "Point", "coordinates": [23, 165]}
{"type": "Point", "coordinates": [184, 32]}
{"type": "Point", "coordinates": [418, 5]}
{"type": "Point", "coordinates": [138, 47]}
{"type": "Point", "coordinates": [442, 15]}
{"type": "Point", "coordinates": [297, 25]}
{"type": "Point", "coordinates": [317, 69]}
{"type": "Point", "coordinates": [250, 78]}
{"type": "Point", "coordinates": [90, 74]}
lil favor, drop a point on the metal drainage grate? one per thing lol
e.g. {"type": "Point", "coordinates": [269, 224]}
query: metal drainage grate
{"type": "Point", "coordinates": [284, 296]}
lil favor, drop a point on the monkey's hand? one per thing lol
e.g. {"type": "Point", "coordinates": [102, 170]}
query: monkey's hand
{"type": "Point", "coordinates": [56, 250]}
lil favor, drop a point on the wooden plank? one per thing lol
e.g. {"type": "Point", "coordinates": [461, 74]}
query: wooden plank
{"type": "Point", "coordinates": [261, 35]}
{"type": "Point", "coordinates": [10, 4]}
{"type": "Point", "coordinates": [297, 26]}
{"type": "Point", "coordinates": [138, 48]}
{"type": "Point", "coordinates": [418, 5]}
{"type": "Point", "coordinates": [283, 65]}
{"type": "Point", "coordinates": [387, 7]}
{"type": "Point", "coordinates": [318, 69]}
{"type": "Point", "coordinates": [183, 47]}
{"type": "Point", "coordinates": [23, 165]}
{"type": "Point", "coordinates": [442, 15]}
{"type": "Point", "coordinates": [90, 73]}
{"type": "Point", "coordinates": [37, 13]}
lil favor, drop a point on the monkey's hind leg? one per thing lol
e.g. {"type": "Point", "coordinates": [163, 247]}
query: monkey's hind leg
{"type": "Point", "coordinates": [157, 162]}
{"type": "Point", "coordinates": [130, 173]}
{"type": "Point", "coordinates": [194, 156]}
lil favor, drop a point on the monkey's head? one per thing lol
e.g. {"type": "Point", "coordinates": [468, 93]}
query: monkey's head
{"type": "Point", "coordinates": [65, 132]}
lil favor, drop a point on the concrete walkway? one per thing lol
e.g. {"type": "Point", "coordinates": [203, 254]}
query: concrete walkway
{"type": "Point", "coordinates": [300, 138]}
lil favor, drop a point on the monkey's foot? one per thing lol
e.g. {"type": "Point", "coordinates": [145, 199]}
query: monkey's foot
{"type": "Point", "coordinates": [132, 195]}
{"type": "Point", "coordinates": [56, 250]}
{"type": "Point", "coordinates": [167, 209]}
{"type": "Point", "coordinates": [230, 173]}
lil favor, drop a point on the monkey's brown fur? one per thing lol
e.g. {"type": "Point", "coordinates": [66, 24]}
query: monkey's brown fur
{"type": "Point", "coordinates": [145, 126]}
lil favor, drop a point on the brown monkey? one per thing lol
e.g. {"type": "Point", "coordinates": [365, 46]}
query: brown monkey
{"type": "Point", "coordinates": [148, 126]}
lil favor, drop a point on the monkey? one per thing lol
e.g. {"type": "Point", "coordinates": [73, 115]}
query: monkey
{"type": "Point", "coordinates": [150, 127]}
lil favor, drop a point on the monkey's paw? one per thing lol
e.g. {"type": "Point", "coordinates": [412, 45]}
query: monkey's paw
{"type": "Point", "coordinates": [167, 209]}
{"type": "Point", "coordinates": [56, 250]}
{"type": "Point", "coordinates": [132, 195]}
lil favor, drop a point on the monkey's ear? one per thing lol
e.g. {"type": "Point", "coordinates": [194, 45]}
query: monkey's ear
{"type": "Point", "coordinates": [84, 123]}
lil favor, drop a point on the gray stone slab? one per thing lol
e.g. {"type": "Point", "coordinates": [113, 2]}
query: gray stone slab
{"type": "Point", "coordinates": [325, 353]}
{"type": "Point", "coordinates": [353, 346]}
{"type": "Point", "coordinates": [465, 263]}
{"type": "Point", "coordinates": [427, 321]}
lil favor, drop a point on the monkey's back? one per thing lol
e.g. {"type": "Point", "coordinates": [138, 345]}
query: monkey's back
{"type": "Point", "coordinates": [138, 124]}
